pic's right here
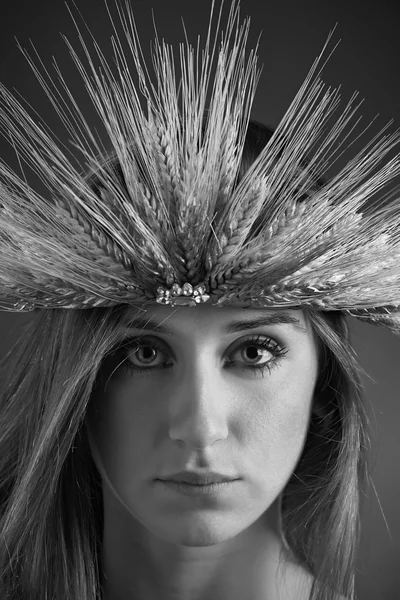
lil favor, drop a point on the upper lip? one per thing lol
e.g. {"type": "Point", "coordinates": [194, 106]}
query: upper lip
{"type": "Point", "coordinates": [198, 478]}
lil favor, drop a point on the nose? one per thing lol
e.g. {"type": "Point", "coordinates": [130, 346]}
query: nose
{"type": "Point", "coordinates": [198, 410]}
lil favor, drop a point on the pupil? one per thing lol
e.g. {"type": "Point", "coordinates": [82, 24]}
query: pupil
{"type": "Point", "coordinates": [255, 351]}
{"type": "Point", "coordinates": [147, 352]}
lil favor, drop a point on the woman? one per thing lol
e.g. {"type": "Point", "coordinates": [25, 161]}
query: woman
{"type": "Point", "coordinates": [220, 215]}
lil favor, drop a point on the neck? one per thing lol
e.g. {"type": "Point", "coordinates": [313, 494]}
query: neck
{"type": "Point", "coordinates": [140, 565]}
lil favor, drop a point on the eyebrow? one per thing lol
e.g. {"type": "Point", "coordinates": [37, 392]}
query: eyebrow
{"type": "Point", "coordinates": [279, 318]}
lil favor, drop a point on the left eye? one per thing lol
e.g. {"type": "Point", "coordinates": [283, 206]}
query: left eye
{"type": "Point", "coordinates": [144, 352]}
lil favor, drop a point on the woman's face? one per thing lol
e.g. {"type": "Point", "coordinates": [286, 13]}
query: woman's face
{"type": "Point", "coordinates": [193, 401]}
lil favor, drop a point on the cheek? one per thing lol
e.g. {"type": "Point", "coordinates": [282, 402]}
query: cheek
{"type": "Point", "coordinates": [277, 436]}
{"type": "Point", "coordinates": [122, 436]}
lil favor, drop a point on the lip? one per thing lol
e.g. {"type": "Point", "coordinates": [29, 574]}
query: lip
{"type": "Point", "coordinates": [212, 490]}
{"type": "Point", "coordinates": [198, 478]}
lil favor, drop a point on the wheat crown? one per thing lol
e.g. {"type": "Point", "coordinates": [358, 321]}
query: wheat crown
{"type": "Point", "coordinates": [178, 228]}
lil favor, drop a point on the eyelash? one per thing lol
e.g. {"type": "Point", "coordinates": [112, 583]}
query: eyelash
{"type": "Point", "coordinates": [259, 341]}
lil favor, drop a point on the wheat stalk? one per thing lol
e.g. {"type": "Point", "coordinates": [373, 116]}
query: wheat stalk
{"type": "Point", "coordinates": [175, 213]}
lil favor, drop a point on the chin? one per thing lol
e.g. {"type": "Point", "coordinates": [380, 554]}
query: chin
{"type": "Point", "coordinates": [197, 530]}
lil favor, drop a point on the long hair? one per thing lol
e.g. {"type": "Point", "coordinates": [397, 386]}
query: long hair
{"type": "Point", "coordinates": [51, 510]}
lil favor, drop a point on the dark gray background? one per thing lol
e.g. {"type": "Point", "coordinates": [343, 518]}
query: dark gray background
{"type": "Point", "coordinates": [367, 60]}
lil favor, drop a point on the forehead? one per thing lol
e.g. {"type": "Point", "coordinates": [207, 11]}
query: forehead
{"type": "Point", "coordinates": [226, 319]}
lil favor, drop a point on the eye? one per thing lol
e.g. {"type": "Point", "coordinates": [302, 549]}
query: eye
{"type": "Point", "coordinates": [144, 353]}
{"type": "Point", "coordinates": [250, 352]}
{"type": "Point", "coordinates": [258, 353]}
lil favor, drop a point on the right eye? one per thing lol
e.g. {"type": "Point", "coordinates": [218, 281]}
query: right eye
{"type": "Point", "coordinates": [142, 351]}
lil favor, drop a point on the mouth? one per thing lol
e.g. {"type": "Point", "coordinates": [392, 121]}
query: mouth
{"type": "Point", "coordinates": [193, 478]}
{"type": "Point", "coordinates": [198, 489]}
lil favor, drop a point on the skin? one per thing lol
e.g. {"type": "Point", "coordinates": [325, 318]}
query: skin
{"type": "Point", "coordinates": [202, 413]}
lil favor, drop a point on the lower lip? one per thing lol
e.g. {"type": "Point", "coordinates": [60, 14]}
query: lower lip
{"type": "Point", "coordinates": [188, 489]}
